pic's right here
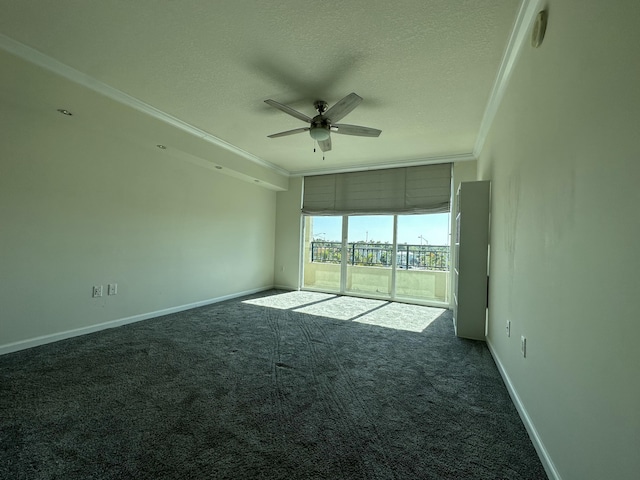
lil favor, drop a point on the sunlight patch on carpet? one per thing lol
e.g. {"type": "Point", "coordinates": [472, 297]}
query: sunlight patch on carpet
{"type": "Point", "coordinates": [381, 313]}
{"type": "Point", "coordinates": [401, 316]}
{"type": "Point", "coordinates": [289, 300]}
{"type": "Point", "coordinates": [342, 308]}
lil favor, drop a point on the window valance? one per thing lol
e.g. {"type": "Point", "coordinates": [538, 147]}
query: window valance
{"type": "Point", "coordinates": [421, 189]}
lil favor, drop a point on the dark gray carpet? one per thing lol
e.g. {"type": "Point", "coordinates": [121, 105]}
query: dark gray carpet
{"type": "Point", "coordinates": [241, 391]}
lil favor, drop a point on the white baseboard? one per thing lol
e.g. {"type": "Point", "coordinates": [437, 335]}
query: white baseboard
{"type": "Point", "coordinates": [54, 337]}
{"type": "Point", "coordinates": [285, 287]}
{"type": "Point", "coordinates": [545, 458]}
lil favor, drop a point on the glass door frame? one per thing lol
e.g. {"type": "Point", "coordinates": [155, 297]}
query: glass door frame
{"type": "Point", "coordinates": [394, 267]}
{"type": "Point", "coordinates": [345, 252]}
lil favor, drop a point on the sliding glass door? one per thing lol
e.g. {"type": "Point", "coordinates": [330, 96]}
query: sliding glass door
{"type": "Point", "coordinates": [422, 268]}
{"type": "Point", "coordinates": [323, 253]}
{"type": "Point", "coordinates": [403, 257]}
{"type": "Point", "coordinates": [369, 253]}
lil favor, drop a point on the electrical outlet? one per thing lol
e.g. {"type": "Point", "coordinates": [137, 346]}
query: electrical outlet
{"type": "Point", "coordinates": [508, 328]}
{"type": "Point", "coordinates": [97, 291]}
{"type": "Point", "coordinates": [112, 289]}
{"type": "Point", "coordinates": [523, 346]}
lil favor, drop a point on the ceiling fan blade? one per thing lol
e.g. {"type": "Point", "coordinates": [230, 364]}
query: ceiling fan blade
{"type": "Point", "coordinates": [289, 110]}
{"type": "Point", "coordinates": [289, 132]}
{"type": "Point", "coordinates": [343, 107]}
{"type": "Point", "coordinates": [325, 145]}
{"type": "Point", "coordinates": [357, 130]}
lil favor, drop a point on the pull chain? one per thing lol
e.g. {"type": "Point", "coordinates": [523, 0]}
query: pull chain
{"type": "Point", "coordinates": [314, 150]}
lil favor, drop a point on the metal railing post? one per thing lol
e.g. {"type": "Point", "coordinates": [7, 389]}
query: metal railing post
{"type": "Point", "coordinates": [406, 262]}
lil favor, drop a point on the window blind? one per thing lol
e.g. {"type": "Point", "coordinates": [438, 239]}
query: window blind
{"type": "Point", "coordinates": [422, 189]}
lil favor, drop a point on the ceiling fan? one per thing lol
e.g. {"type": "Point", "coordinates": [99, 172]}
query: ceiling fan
{"type": "Point", "coordinates": [323, 123]}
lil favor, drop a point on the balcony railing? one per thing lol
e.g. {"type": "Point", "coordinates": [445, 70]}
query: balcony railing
{"type": "Point", "coordinates": [419, 257]}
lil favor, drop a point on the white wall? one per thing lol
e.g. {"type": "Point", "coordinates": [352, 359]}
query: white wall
{"type": "Point", "coordinates": [288, 228]}
{"type": "Point", "coordinates": [463, 172]}
{"type": "Point", "coordinates": [81, 205]}
{"type": "Point", "coordinates": [563, 155]}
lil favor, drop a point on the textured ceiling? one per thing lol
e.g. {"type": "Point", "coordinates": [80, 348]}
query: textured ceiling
{"type": "Point", "coordinates": [424, 68]}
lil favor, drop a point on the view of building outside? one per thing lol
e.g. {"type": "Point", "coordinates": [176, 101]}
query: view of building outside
{"type": "Point", "coordinates": [422, 240]}
{"type": "Point", "coordinates": [422, 255]}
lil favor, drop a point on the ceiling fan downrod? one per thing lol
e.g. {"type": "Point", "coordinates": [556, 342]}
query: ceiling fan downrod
{"type": "Point", "coordinates": [320, 106]}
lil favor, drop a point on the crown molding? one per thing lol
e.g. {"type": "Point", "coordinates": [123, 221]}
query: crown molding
{"type": "Point", "coordinates": [462, 157]}
{"type": "Point", "coordinates": [44, 61]}
{"type": "Point", "coordinates": [526, 15]}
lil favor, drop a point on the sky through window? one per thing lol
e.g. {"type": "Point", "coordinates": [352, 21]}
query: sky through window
{"type": "Point", "coordinates": [432, 229]}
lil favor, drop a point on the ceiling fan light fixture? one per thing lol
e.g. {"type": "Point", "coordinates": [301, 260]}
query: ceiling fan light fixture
{"type": "Point", "coordinates": [319, 134]}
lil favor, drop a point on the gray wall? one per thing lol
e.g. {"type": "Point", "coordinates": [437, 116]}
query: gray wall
{"type": "Point", "coordinates": [563, 156]}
